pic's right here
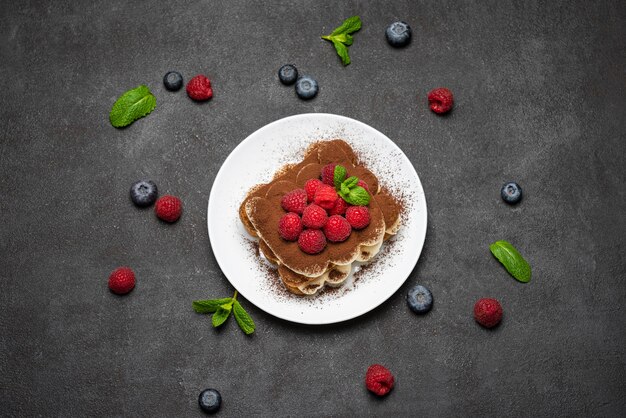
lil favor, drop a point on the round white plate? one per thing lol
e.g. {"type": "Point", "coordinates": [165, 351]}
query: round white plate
{"type": "Point", "coordinates": [255, 160]}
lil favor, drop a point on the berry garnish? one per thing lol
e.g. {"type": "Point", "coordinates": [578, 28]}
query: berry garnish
{"type": "Point", "coordinates": [440, 100]}
{"type": "Point", "coordinates": [143, 193]}
{"type": "Point", "coordinates": [488, 312]}
{"type": "Point", "coordinates": [379, 380]}
{"type": "Point", "coordinates": [294, 201]}
{"type": "Point", "coordinates": [168, 208]}
{"type": "Point", "coordinates": [325, 196]}
{"type": "Point", "coordinates": [210, 401]}
{"type": "Point", "coordinates": [306, 87]}
{"type": "Point", "coordinates": [328, 174]}
{"type": "Point", "coordinates": [290, 226]}
{"type": "Point", "coordinates": [173, 80]}
{"type": "Point", "coordinates": [511, 193]}
{"type": "Point", "coordinates": [339, 208]}
{"type": "Point", "coordinates": [199, 88]}
{"type": "Point", "coordinates": [337, 229]}
{"type": "Point", "coordinates": [314, 217]}
{"type": "Point", "coordinates": [311, 187]}
{"type": "Point", "coordinates": [122, 280]}
{"type": "Point", "coordinates": [419, 299]}
{"type": "Point", "coordinates": [358, 216]}
{"type": "Point", "coordinates": [398, 34]}
{"type": "Point", "coordinates": [288, 74]}
{"type": "Point", "coordinates": [363, 185]}
{"type": "Point", "coordinates": [312, 241]}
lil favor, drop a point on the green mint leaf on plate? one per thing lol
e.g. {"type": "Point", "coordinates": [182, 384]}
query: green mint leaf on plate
{"type": "Point", "coordinates": [351, 182]}
{"type": "Point", "coordinates": [243, 319]}
{"type": "Point", "coordinates": [209, 306]}
{"type": "Point", "coordinates": [338, 176]}
{"type": "Point", "coordinates": [358, 196]}
{"type": "Point", "coordinates": [221, 315]}
{"type": "Point", "coordinates": [342, 39]}
{"type": "Point", "coordinates": [132, 105]}
{"type": "Point", "coordinates": [512, 260]}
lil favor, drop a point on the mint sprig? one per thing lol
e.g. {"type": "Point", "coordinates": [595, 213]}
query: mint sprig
{"type": "Point", "coordinates": [512, 260]}
{"type": "Point", "coordinates": [221, 309]}
{"type": "Point", "coordinates": [132, 105]}
{"type": "Point", "coordinates": [347, 188]}
{"type": "Point", "coordinates": [342, 39]}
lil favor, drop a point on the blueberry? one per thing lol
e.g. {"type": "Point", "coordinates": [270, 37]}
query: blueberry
{"type": "Point", "coordinates": [143, 193]}
{"type": "Point", "coordinates": [173, 81]}
{"type": "Point", "coordinates": [419, 299]}
{"type": "Point", "coordinates": [398, 34]}
{"type": "Point", "coordinates": [210, 400]}
{"type": "Point", "coordinates": [306, 87]}
{"type": "Point", "coordinates": [511, 193]}
{"type": "Point", "coordinates": [288, 74]}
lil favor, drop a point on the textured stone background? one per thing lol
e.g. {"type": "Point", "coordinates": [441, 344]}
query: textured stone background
{"type": "Point", "coordinates": [540, 90]}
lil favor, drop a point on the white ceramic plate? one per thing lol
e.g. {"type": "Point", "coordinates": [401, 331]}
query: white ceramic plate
{"type": "Point", "coordinates": [255, 160]}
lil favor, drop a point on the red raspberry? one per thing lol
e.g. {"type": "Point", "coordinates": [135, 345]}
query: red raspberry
{"type": "Point", "coordinates": [325, 196]}
{"type": "Point", "coordinates": [488, 312]}
{"type": "Point", "coordinates": [363, 185]}
{"type": "Point", "coordinates": [314, 217]}
{"type": "Point", "coordinates": [337, 229]}
{"type": "Point", "coordinates": [122, 280]}
{"type": "Point", "coordinates": [199, 88]}
{"type": "Point", "coordinates": [358, 216]}
{"type": "Point", "coordinates": [294, 201]}
{"type": "Point", "coordinates": [168, 208]}
{"type": "Point", "coordinates": [328, 174]}
{"type": "Point", "coordinates": [312, 241]}
{"type": "Point", "coordinates": [311, 187]}
{"type": "Point", "coordinates": [379, 380]}
{"type": "Point", "coordinates": [440, 100]}
{"type": "Point", "coordinates": [339, 208]}
{"type": "Point", "coordinates": [289, 226]}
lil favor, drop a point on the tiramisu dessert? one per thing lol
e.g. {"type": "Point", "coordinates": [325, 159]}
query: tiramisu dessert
{"type": "Point", "coordinates": [316, 218]}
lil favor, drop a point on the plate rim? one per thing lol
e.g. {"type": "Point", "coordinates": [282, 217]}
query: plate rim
{"type": "Point", "coordinates": [220, 173]}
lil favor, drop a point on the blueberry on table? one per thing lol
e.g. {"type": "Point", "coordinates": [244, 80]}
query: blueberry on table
{"type": "Point", "coordinates": [288, 74]}
{"type": "Point", "coordinates": [419, 299]}
{"type": "Point", "coordinates": [511, 193]}
{"type": "Point", "coordinates": [210, 400]}
{"type": "Point", "coordinates": [306, 87]}
{"type": "Point", "coordinates": [143, 193]}
{"type": "Point", "coordinates": [398, 34]}
{"type": "Point", "coordinates": [173, 81]}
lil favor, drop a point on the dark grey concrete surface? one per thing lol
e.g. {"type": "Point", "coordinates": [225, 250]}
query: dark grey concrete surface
{"type": "Point", "coordinates": [540, 98]}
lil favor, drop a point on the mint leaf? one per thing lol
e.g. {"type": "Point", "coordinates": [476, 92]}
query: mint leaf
{"type": "Point", "coordinates": [350, 25]}
{"type": "Point", "coordinates": [221, 315]}
{"type": "Point", "coordinates": [338, 176]}
{"type": "Point", "coordinates": [342, 39]}
{"type": "Point", "coordinates": [132, 105]}
{"type": "Point", "coordinates": [511, 260]}
{"type": "Point", "coordinates": [344, 190]}
{"type": "Point", "coordinates": [351, 182]}
{"type": "Point", "coordinates": [209, 306]}
{"type": "Point", "coordinates": [243, 319]}
{"type": "Point", "coordinates": [358, 197]}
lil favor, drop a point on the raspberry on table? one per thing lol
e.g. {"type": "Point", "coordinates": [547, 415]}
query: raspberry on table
{"type": "Point", "coordinates": [199, 88]}
{"type": "Point", "coordinates": [168, 208]}
{"type": "Point", "coordinates": [488, 312]}
{"type": "Point", "coordinates": [379, 380]}
{"type": "Point", "coordinates": [440, 100]}
{"type": "Point", "coordinates": [122, 280]}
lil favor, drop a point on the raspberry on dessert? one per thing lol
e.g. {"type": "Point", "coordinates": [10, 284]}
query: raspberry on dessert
{"type": "Point", "coordinates": [314, 217]}
{"type": "Point", "coordinates": [328, 174]}
{"type": "Point", "coordinates": [168, 208]}
{"type": "Point", "coordinates": [339, 208]}
{"type": "Point", "coordinates": [440, 100]}
{"type": "Point", "coordinates": [312, 241]}
{"type": "Point", "coordinates": [488, 312]}
{"type": "Point", "coordinates": [379, 380]}
{"type": "Point", "coordinates": [294, 201]}
{"type": "Point", "coordinates": [199, 88]}
{"type": "Point", "coordinates": [325, 196]}
{"type": "Point", "coordinates": [290, 226]}
{"type": "Point", "coordinates": [358, 216]}
{"type": "Point", "coordinates": [122, 280]}
{"type": "Point", "coordinates": [363, 185]}
{"type": "Point", "coordinates": [311, 187]}
{"type": "Point", "coordinates": [337, 229]}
